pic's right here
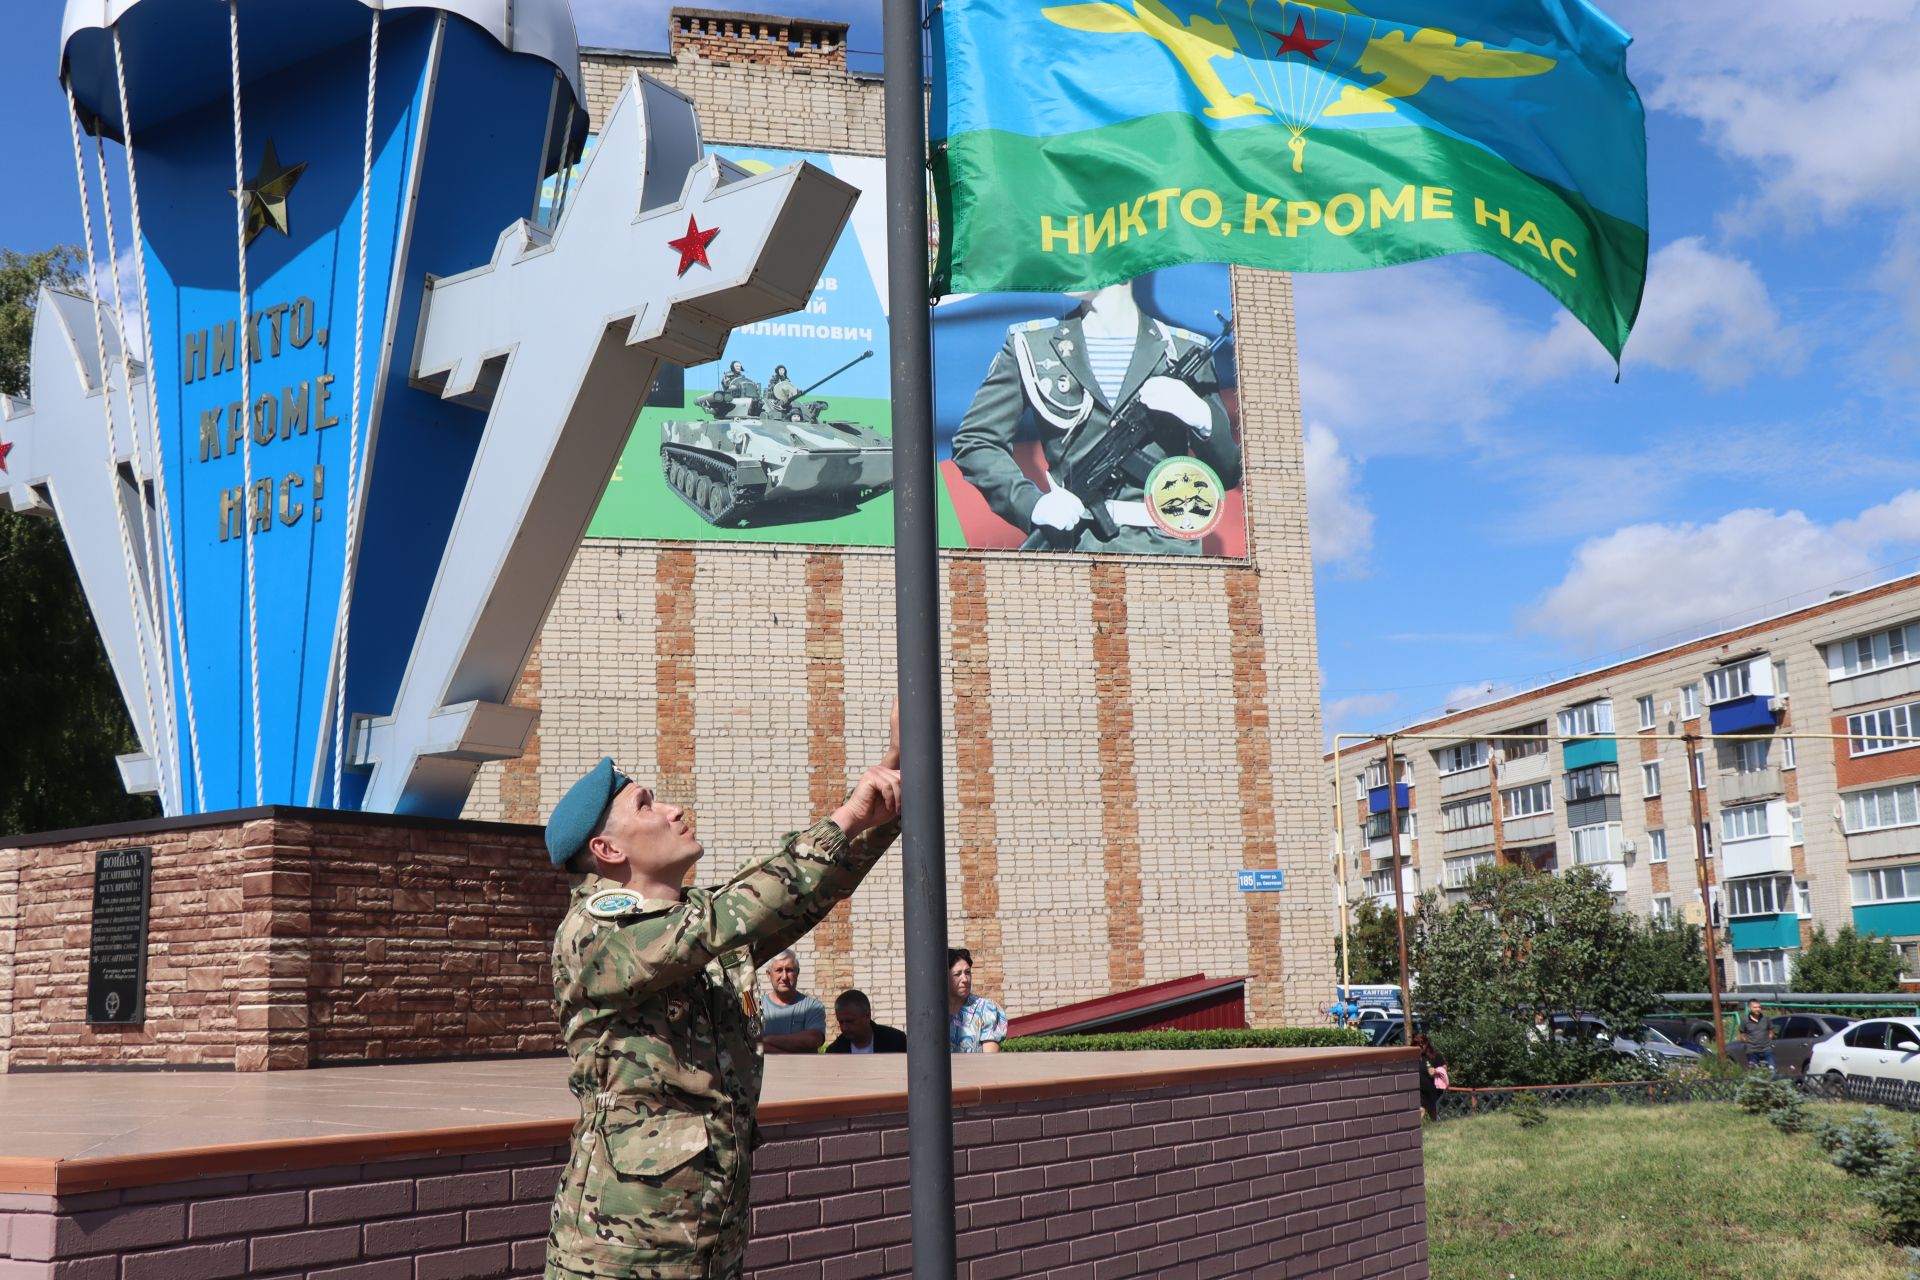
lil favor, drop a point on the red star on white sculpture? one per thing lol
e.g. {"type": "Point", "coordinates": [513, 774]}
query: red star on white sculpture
{"type": "Point", "coordinates": [692, 247]}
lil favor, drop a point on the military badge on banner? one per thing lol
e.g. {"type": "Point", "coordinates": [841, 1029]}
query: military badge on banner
{"type": "Point", "coordinates": [1183, 498]}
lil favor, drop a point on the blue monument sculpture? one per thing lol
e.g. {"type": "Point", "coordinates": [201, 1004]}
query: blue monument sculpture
{"type": "Point", "coordinates": [376, 383]}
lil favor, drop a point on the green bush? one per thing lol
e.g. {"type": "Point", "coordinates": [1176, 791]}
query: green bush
{"type": "Point", "coordinates": [1896, 1193]}
{"type": "Point", "coordinates": [1248, 1038]}
{"type": "Point", "coordinates": [1760, 1094]}
{"type": "Point", "coordinates": [1527, 1111]}
{"type": "Point", "coordinates": [1865, 1147]}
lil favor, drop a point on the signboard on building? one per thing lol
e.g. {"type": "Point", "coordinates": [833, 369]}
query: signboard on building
{"type": "Point", "coordinates": [787, 438]}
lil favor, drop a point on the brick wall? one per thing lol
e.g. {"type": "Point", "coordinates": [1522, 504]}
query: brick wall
{"type": "Point", "coordinates": [1302, 1176]}
{"type": "Point", "coordinates": [1122, 735]}
{"type": "Point", "coordinates": [284, 938]}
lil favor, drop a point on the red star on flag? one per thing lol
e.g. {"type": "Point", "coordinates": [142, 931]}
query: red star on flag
{"type": "Point", "coordinates": [692, 247]}
{"type": "Point", "coordinates": [1295, 41]}
{"type": "Point", "coordinates": [5, 449]}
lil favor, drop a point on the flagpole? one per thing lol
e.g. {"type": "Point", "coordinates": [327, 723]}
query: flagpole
{"type": "Point", "coordinates": [917, 621]}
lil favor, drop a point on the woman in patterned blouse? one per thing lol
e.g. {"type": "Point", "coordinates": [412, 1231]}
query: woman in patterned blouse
{"type": "Point", "coordinates": [977, 1024]}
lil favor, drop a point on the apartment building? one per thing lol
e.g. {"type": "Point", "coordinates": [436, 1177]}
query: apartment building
{"type": "Point", "coordinates": [1796, 740]}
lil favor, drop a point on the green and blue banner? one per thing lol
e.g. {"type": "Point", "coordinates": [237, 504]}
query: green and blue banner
{"type": "Point", "coordinates": [1083, 143]}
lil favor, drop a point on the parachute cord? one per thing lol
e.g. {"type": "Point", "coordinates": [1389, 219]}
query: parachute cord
{"type": "Point", "coordinates": [340, 626]}
{"type": "Point", "coordinates": [179, 628]}
{"type": "Point", "coordinates": [244, 346]}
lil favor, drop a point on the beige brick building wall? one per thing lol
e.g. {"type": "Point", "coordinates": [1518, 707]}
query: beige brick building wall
{"type": "Point", "coordinates": [1122, 735]}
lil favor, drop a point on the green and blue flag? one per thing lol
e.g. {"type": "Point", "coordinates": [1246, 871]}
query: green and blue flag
{"type": "Point", "coordinates": [1085, 142]}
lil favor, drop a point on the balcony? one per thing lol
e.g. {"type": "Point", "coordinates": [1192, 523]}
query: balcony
{"type": "Point", "coordinates": [1614, 872]}
{"type": "Point", "coordinates": [1762, 855]}
{"type": "Point", "coordinates": [1377, 797]}
{"type": "Point", "coordinates": [1531, 768]}
{"type": "Point", "coordinates": [1380, 886]}
{"type": "Point", "coordinates": [1480, 837]}
{"type": "Point", "coordinates": [1764, 933]}
{"type": "Point", "coordinates": [1465, 781]}
{"type": "Point", "coordinates": [1535, 829]}
{"type": "Point", "coordinates": [1741, 788]}
{"type": "Point", "coordinates": [1381, 850]}
{"type": "Point", "coordinates": [1590, 751]}
{"type": "Point", "coordinates": [1875, 686]}
{"type": "Point", "coordinates": [1895, 842]}
{"type": "Point", "coordinates": [1755, 711]}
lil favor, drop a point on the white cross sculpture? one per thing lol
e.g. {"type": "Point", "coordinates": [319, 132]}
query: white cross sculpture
{"type": "Point", "coordinates": [560, 338]}
{"type": "Point", "coordinates": [59, 459]}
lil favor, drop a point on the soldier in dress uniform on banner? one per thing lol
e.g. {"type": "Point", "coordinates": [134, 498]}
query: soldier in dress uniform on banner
{"type": "Point", "coordinates": [1067, 377]}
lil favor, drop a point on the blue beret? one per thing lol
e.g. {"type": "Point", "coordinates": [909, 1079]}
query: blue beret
{"type": "Point", "coordinates": [581, 809]}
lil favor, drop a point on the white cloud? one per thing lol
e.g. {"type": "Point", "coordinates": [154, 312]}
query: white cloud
{"type": "Point", "coordinates": [1358, 714]}
{"type": "Point", "coordinates": [1464, 696]}
{"type": "Point", "coordinates": [1654, 581]}
{"type": "Point", "coordinates": [1339, 524]}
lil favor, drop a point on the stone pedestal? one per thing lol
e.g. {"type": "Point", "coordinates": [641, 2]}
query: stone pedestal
{"type": "Point", "coordinates": [283, 938]}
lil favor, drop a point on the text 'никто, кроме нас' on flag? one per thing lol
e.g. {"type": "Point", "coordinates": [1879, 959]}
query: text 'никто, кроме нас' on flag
{"type": "Point", "coordinates": [1086, 142]}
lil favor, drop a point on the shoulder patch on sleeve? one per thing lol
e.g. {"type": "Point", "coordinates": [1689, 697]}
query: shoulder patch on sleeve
{"type": "Point", "coordinates": [1031, 326]}
{"type": "Point", "coordinates": [614, 904]}
{"type": "Point", "coordinates": [1198, 340]}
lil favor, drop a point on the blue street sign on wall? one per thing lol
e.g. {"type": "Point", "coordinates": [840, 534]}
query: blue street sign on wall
{"type": "Point", "coordinates": [1262, 881]}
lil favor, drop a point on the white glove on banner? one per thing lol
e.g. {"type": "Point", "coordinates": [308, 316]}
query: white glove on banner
{"type": "Point", "coordinates": [1174, 397]}
{"type": "Point", "coordinates": [1059, 509]}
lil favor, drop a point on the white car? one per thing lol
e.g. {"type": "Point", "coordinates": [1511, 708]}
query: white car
{"type": "Point", "coordinates": [1877, 1050]}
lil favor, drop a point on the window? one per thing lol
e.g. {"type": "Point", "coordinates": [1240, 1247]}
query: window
{"type": "Point", "coordinates": [1650, 779]}
{"type": "Point", "coordinates": [1724, 684]}
{"type": "Point", "coordinates": [1689, 701]}
{"type": "Point", "coordinates": [1909, 961]}
{"type": "Point", "coordinates": [1700, 770]}
{"type": "Point", "coordinates": [1461, 870]}
{"type": "Point", "coordinates": [1525, 802]}
{"type": "Point", "coordinates": [1656, 846]}
{"type": "Point", "coordinates": [1460, 758]}
{"type": "Point", "coordinates": [1788, 754]}
{"type": "Point", "coordinates": [1587, 719]}
{"type": "Point", "coordinates": [1886, 884]}
{"type": "Point", "coordinates": [1589, 784]}
{"type": "Point", "coordinates": [1598, 843]}
{"type": "Point", "coordinates": [1750, 756]}
{"type": "Point", "coordinates": [1761, 968]}
{"type": "Point", "coordinates": [1889, 648]}
{"type": "Point", "coordinates": [1761, 896]}
{"type": "Point", "coordinates": [1743, 822]}
{"type": "Point", "coordinates": [1520, 748]}
{"type": "Point", "coordinates": [1803, 899]}
{"type": "Point", "coordinates": [1799, 827]}
{"type": "Point", "coordinates": [1705, 840]}
{"type": "Point", "coordinates": [1780, 678]}
{"type": "Point", "coordinates": [1868, 1035]}
{"type": "Point", "coordinates": [1646, 711]}
{"type": "Point", "coordinates": [1888, 729]}
{"type": "Point", "coordinates": [1663, 908]}
{"type": "Point", "coordinates": [1882, 807]}
{"type": "Point", "coordinates": [1378, 828]}
{"type": "Point", "coordinates": [1461, 814]}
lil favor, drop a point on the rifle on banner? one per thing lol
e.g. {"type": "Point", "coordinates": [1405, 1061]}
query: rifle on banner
{"type": "Point", "coordinates": [1116, 457]}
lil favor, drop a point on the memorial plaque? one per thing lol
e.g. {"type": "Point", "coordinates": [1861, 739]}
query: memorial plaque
{"type": "Point", "coordinates": [117, 949]}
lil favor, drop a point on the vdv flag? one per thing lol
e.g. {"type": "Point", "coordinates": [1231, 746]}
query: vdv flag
{"type": "Point", "coordinates": [1083, 143]}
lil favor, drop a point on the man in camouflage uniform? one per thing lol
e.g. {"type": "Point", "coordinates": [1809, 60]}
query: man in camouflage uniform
{"type": "Point", "coordinates": [654, 988]}
{"type": "Point", "coordinates": [1043, 379]}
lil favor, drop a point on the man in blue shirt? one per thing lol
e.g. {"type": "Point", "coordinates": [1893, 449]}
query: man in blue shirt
{"type": "Point", "coordinates": [792, 1021]}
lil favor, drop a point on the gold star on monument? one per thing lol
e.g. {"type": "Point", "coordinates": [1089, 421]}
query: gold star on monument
{"type": "Point", "coordinates": [266, 194]}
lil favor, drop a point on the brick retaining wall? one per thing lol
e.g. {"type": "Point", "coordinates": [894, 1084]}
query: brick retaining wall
{"type": "Point", "coordinates": [1301, 1175]}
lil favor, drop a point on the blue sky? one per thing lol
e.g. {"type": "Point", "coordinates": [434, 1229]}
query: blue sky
{"type": "Point", "coordinates": [1489, 508]}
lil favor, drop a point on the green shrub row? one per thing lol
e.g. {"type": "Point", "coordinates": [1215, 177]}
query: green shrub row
{"type": "Point", "coordinates": [1250, 1038]}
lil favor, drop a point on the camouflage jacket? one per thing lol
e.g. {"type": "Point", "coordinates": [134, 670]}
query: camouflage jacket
{"type": "Point", "coordinates": [656, 1011]}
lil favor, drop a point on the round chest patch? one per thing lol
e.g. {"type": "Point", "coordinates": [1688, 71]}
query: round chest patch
{"type": "Point", "coordinates": [611, 904]}
{"type": "Point", "coordinates": [1184, 498]}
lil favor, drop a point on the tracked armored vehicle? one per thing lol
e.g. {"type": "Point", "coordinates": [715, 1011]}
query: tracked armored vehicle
{"type": "Point", "coordinates": [765, 456]}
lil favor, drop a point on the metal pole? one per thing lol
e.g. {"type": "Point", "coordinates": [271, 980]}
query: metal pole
{"type": "Point", "coordinates": [1399, 892]}
{"type": "Point", "coordinates": [917, 620]}
{"type": "Point", "coordinates": [1700, 869]}
{"type": "Point", "coordinates": [1340, 852]}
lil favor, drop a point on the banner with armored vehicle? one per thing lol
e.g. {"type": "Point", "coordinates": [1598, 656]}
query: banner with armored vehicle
{"type": "Point", "coordinates": [1100, 422]}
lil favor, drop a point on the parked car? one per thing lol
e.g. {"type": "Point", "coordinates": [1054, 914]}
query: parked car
{"type": "Point", "coordinates": [1684, 1029]}
{"type": "Point", "coordinates": [1886, 1049]}
{"type": "Point", "coordinates": [1383, 1032]}
{"type": "Point", "coordinates": [1794, 1036]}
{"type": "Point", "coordinates": [1649, 1042]}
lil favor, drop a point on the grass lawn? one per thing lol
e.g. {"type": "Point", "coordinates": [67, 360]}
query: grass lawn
{"type": "Point", "coordinates": [1700, 1190]}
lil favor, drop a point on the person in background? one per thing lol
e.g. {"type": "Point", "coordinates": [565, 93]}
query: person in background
{"type": "Point", "coordinates": [1433, 1075]}
{"type": "Point", "coordinates": [859, 1033]}
{"type": "Point", "coordinates": [793, 1021]}
{"type": "Point", "coordinates": [1756, 1037]}
{"type": "Point", "coordinates": [975, 1024]}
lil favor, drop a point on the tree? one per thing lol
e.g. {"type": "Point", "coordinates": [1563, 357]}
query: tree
{"type": "Point", "coordinates": [1847, 962]}
{"type": "Point", "coordinates": [1672, 955]}
{"type": "Point", "coordinates": [65, 721]}
{"type": "Point", "coordinates": [1525, 945]}
{"type": "Point", "coordinates": [1375, 938]}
